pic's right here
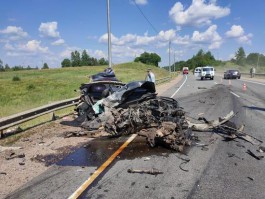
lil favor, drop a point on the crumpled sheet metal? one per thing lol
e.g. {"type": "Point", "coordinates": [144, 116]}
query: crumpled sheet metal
{"type": "Point", "coordinates": [160, 120]}
{"type": "Point", "coordinates": [163, 122]}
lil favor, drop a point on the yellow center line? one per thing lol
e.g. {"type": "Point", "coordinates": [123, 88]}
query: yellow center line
{"type": "Point", "coordinates": [86, 184]}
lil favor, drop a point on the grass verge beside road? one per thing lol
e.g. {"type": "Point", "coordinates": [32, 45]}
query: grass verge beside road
{"type": "Point", "coordinates": [35, 88]}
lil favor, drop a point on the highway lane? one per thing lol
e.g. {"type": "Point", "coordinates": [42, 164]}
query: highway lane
{"type": "Point", "coordinates": [211, 173]}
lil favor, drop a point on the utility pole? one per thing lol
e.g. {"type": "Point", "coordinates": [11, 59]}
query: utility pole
{"type": "Point", "coordinates": [258, 62]}
{"type": "Point", "coordinates": [169, 52]}
{"type": "Point", "coordinates": [109, 35]}
{"type": "Point", "coordinates": [174, 61]}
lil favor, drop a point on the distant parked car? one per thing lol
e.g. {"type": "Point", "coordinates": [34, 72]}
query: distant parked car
{"type": "Point", "coordinates": [232, 74]}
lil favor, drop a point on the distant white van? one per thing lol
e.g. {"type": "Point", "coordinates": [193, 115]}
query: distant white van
{"type": "Point", "coordinates": [207, 72]}
{"type": "Point", "coordinates": [197, 72]}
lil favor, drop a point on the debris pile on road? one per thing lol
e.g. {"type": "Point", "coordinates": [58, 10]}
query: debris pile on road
{"type": "Point", "coordinates": [159, 119]}
{"type": "Point", "coordinates": [135, 108]}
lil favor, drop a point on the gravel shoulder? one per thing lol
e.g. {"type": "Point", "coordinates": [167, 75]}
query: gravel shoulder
{"type": "Point", "coordinates": [39, 147]}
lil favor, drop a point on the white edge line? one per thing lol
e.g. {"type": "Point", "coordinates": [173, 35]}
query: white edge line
{"type": "Point", "coordinates": [234, 94]}
{"type": "Point", "coordinates": [179, 87]}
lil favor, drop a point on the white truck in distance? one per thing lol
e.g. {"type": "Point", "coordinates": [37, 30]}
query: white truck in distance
{"type": "Point", "coordinates": [207, 72]}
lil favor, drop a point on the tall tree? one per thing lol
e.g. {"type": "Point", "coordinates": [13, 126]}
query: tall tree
{"type": "Point", "coordinates": [240, 56]}
{"type": "Point", "coordinates": [66, 63]}
{"type": "Point", "coordinates": [75, 58]}
{"type": "Point", "coordinates": [102, 61]}
{"type": "Point", "coordinates": [1, 66]}
{"type": "Point", "coordinates": [84, 58]}
{"type": "Point", "coordinates": [7, 67]}
{"type": "Point", "coordinates": [45, 66]}
{"type": "Point", "coordinates": [148, 58]}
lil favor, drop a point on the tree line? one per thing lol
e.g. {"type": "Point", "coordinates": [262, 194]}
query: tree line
{"type": "Point", "coordinates": [6, 67]}
{"type": "Point", "coordinates": [207, 59]}
{"type": "Point", "coordinates": [148, 58]}
{"type": "Point", "coordinates": [200, 59]}
{"type": "Point", "coordinates": [82, 60]}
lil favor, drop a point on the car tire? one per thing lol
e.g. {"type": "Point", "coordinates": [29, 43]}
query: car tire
{"type": "Point", "coordinates": [201, 78]}
{"type": "Point", "coordinates": [239, 77]}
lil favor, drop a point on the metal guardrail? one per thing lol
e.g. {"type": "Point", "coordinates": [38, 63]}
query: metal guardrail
{"type": "Point", "coordinates": [19, 118]}
{"type": "Point", "coordinates": [165, 79]}
{"type": "Point", "coordinates": [256, 74]}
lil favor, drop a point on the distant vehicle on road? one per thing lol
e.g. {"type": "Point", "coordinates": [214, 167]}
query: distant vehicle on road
{"type": "Point", "coordinates": [185, 70]}
{"type": "Point", "coordinates": [197, 72]}
{"type": "Point", "coordinates": [232, 74]}
{"type": "Point", "coordinates": [207, 72]}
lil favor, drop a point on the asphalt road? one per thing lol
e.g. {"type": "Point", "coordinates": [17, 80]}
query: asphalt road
{"type": "Point", "coordinates": [221, 170]}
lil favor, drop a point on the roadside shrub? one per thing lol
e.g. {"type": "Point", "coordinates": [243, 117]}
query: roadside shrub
{"type": "Point", "coordinates": [16, 78]}
{"type": "Point", "coordinates": [31, 87]}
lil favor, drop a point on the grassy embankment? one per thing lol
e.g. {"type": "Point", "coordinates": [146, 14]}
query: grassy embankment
{"type": "Point", "coordinates": [40, 87]}
{"type": "Point", "coordinates": [243, 69]}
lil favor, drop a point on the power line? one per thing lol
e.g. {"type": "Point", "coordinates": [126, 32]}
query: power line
{"type": "Point", "coordinates": [145, 17]}
{"type": "Point", "coordinates": [153, 29]}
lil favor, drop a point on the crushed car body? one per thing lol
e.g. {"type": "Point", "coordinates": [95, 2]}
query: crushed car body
{"type": "Point", "coordinates": [135, 108]}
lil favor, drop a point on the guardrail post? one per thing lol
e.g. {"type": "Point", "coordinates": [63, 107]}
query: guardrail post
{"type": "Point", "coordinates": [53, 116]}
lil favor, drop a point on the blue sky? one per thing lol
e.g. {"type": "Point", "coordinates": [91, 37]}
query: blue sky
{"type": "Point", "coordinates": [36, 31]}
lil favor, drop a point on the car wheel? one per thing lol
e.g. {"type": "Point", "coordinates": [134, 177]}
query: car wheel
{"type": "Point", "coordinates": [201, 78]}
{"type": "Point", "coordinates": [212, 78]}
{"type": "Point", "coordinates": [239, 77]}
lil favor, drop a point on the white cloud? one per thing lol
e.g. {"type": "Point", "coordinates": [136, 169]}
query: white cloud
{"type": "Point", "coordinates": [199, 13]}
{"type": "Point", "coordinates": [140, 2]}
{"type": "Point", "coordinates": [14, 32]}
{"type": "Point", "coordinates": [235, 31]}
{"type": "Point", "coordinates": [167, 35]}
{"type": "Point", "coordinates": [67, 52]}
{"type": "Point", "coordinates": [210, 36]}
{"type": "Point", "coordinates": [32, 47]}
{"type": "Point", "coordinates": [58, 42]}
{"type": "Point", "coordinates": [99, 54]}
{"type": "Point", "coordinates": [49, 29]}
{"type": "Point", "coordinates": [8, 46]}
{"type": "Point", "coordinates": [245, 39]}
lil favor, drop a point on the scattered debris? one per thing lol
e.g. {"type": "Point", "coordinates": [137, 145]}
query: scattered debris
{"type": "Point", "coordinates": [253, 155]}
{"type": "Point", "coordinates": [261, 149]}
{"type": "Point", "coordinates": [240, 145]}
{"type": "Point", "coordinates": [69, 134]}
{"type": "Point", "coordinates": [147, 159]}
{"type": "Point", "coordinates": [152, 171]}
{"type": "Point", "coordinates": [135, 108]}
{"type": "Point", "coordinates": [230, 155]}
{"type": "Point", "coordinates": [252, 179]}
{"type": "Point", "coordinates": [11, 155]}
{"type": "Point", "coordinates": [3, 173]}
{"type": "Point", "coordinates": [202, 87]}
{"type": "Point", "coordinates": [180, 166]}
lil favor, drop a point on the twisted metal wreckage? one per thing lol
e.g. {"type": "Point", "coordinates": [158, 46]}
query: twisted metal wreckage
{"type": "Point", "coordinates": [136, 108]}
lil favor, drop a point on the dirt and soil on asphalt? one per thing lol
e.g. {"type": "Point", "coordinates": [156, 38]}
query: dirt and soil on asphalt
{"type": "Point", "coordinates": [41, 146]}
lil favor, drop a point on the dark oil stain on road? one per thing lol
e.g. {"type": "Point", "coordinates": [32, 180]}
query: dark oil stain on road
{"type": "Point", "coordinates": [97, 151]}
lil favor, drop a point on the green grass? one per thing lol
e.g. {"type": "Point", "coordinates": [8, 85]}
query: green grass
{"type": "Point", "coordinates": [243, 69]}
{"type": "Point", "coordinates": [40, 87]}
